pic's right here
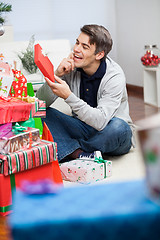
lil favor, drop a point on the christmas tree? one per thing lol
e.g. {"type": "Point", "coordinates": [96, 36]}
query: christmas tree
{"type": "Point", "coordinates": [4, 7]}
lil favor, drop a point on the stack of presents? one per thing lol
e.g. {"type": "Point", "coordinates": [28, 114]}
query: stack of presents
{"type": "Point", "coordinates": [26, 152]}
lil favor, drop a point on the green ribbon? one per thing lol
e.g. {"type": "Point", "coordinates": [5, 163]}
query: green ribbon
{"type": "Point", "coordinates": [5, 209]}
{"type": "Point", "coordinates": [18, 128]}
{"type": "Point", "coordinates": [13, 187]}
{"type": "Point", "coordinates": [101, 160]}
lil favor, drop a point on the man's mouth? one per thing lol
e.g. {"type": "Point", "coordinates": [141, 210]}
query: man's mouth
{"type": "Point", "coordinates": [77, 56]}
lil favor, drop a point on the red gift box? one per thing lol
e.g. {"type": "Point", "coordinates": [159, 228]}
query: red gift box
{"type": "Point", "coordinates": [43, 63]}
{"type": "Point", "coordinates": [43, 153]}
{"type": "Point", "coordinates": [38, 107]}
{"type": "Point", "coordinates": [19, 85]}
{"type": "Point", "coordinates": [13, 110]}
{"type": "Point", "coordinates": [9, 183]}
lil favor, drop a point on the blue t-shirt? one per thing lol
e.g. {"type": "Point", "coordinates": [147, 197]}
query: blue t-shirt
{"type": "Point", "coordinates": [89, 84]}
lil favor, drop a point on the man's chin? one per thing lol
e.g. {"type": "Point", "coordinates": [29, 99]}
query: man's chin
{"type": "Point", "coordinates": [78, 65]}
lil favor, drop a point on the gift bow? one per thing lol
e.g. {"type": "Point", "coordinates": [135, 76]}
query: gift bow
{"type": "Point", "coordinates": [18, 128]}
{"type": "Point", "coordinates": [100, 160]}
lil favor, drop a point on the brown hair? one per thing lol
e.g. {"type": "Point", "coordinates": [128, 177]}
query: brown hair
{"type": "Point", "coordinates": [99, 36]}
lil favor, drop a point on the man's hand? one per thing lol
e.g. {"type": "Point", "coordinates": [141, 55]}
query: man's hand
{"type": "Point", "coordinates": [60, 88]}
{"type": "Point", "coordinates": [66, 66]}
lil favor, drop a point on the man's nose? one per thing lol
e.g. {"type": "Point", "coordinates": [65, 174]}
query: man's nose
{"type": "Point", "coordinates": [77, 48]}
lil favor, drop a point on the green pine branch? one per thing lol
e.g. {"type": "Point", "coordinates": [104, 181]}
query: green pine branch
{"type": "Point", "coordinates": [4, 7]}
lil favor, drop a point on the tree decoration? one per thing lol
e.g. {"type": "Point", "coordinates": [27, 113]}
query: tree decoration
{"type": "Point", "coordinates": [27, 57]}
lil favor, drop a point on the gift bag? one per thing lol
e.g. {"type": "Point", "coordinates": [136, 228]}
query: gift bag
{"type": "Point", "coordinates": [19, 85]}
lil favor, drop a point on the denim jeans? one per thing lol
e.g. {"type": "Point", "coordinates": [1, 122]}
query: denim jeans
{"type": "Point", "coordinates": [70, 133]}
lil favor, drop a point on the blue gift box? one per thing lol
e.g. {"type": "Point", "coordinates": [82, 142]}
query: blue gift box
{"type": "Point", "coordinates": [111, 211]}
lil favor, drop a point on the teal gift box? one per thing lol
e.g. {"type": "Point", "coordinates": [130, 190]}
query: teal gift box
{"type": "Point", "coordinates": [100, 211]}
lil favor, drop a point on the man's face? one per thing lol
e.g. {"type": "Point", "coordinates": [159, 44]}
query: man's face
{"type": "Point", "coordinates": [84, 53]}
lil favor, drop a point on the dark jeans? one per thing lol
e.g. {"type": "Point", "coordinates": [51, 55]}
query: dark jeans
{"type": "Point", "coordinates": [70, 133]}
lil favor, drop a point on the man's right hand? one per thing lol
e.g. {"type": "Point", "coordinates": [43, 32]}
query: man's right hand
{"type": "Point", "coordinates": [66, 66]}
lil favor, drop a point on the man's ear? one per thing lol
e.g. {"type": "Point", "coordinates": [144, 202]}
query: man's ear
{"type": "Point", "coordinates": [99, 55]}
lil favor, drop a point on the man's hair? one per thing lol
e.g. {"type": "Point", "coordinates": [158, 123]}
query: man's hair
{"type": "Point", "coordinates": [99, 36]}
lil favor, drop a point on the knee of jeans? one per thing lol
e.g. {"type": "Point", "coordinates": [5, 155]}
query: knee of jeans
{"type": "Point", "coordinates": [121, 128]}
{"type": "Point", "coordinates": [52, 112]}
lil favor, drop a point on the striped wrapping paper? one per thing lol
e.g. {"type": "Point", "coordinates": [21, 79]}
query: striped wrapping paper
{"type": "Point", "coordinates": [41, 154]}
{"type": "Point", "coordinates": [38, 109]}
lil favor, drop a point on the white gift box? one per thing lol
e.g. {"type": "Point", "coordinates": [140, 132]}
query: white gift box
{"type": "Point", "coordinates": [6, 79]}
{"type": "Point", "coordinates": [86, 171]}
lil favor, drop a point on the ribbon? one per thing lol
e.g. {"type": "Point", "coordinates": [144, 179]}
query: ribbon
{"type": "Point", "coordinates": [6, 99]}
{"type": "Point", "coordinates": [44, 186]}
{"type": "Point", "coordinates": [5, 209]}
{"type": "Point", "coordinates": [13, 187]}
{"type": "Point", "coordinates": [18, 128]}
{"type": "Point", "coordinates": [101, 160]}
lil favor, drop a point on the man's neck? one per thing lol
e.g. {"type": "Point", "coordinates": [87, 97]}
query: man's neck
{"type": "Point", "coordinates": [90, 70]}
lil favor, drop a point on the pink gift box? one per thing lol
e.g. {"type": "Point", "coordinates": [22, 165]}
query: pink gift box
{"type": "Point", "coordinates": [5, 128]}
{"type": "Point", "coordinates": [18, 140]}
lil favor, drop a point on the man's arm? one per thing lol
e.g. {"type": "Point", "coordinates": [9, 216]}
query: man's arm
{"type": "Point", "coordinates": [49, 92]}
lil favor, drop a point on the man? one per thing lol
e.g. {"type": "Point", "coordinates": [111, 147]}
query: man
{"type": "Point", "coordinates": [94, 86]}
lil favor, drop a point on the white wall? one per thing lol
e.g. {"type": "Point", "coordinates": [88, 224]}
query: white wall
{"type": "Point", "coordinates": [59, 18]}
{"type": "Point", "coordinates": [132, 24]}
{"type": "Point", "coordinates": [138, 24]}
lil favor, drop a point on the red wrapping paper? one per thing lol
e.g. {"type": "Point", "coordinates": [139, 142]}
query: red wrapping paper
{"type": "Point", "coordinates": [41, 154]}
{"type": "Point", "coordinates": [43, 63]}
{"type": "Point", "coordinates": [49, 171]}
{"type": "Point", "coordinates": [13, 110]}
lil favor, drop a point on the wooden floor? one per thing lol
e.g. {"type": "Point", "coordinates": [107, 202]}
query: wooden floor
{"type": "Point", "coordinates": [138, 110]}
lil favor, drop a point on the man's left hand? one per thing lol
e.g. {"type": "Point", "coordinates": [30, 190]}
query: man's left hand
{"type": "Point", "coordinates": [59, 88]}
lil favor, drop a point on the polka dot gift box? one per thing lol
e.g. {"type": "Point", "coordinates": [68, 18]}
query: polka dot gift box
{"type": "Point", "coordinates": [86, 171]}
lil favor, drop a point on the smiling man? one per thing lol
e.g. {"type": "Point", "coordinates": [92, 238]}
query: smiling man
{"type": "Point", "coordinates": [94, 86]}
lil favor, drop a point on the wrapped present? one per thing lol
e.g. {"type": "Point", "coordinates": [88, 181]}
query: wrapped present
{"type": "Point", "coordinates": [19, 138]}
{"type": "Point", "coordinates": [13, 110]}
{"type": "Point", "coordinates": [5, 128]}
{"type": "Point", "coordinates": [86, 171]}
{"type": "Point", "coordinates": [38, 107]}
{"type": "Point", "coordinates": [102, 211]}
{"type": "Point", "coordinates": [43, 62]}
{"type": "Point", "coordinates": [6, 78]}
{"type": "Point", "coordinates": [19, 85]}
{"type": "Point", "coordinates": [43, 153]}
{"type": "Point", "coordinates": [8, 184]}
